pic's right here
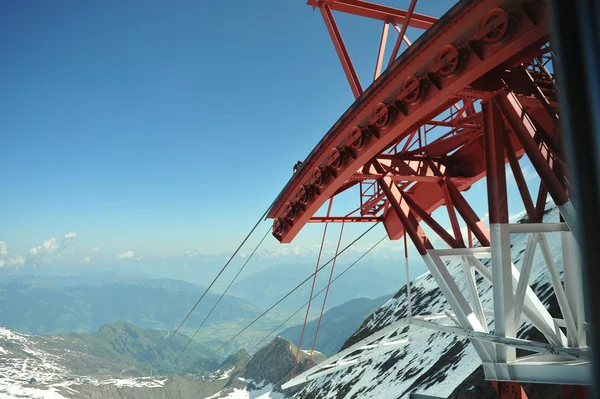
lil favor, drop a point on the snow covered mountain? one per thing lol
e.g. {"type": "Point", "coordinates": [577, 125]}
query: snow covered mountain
{"type": "Point", "coordinates": [81, 366]}
{"type": "Point", "coordinates": [433, 363]}
{"type": "Point", "coordinates": [262, 375]}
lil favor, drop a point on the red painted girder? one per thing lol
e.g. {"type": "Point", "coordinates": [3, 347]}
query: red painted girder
{"type": "Point", "coordinates": [454, 124]}
{"type": "Point", "coordinates": [444, 146]}
{"type": "Point", "coordinates": [524, 37]}
{"type": "Point", "coordinates": [520, 179]}
{"type": "Point", "coordinates": [493, 132]}
{"type": "Point", "coordinates": [431, 222]}
{"type": "Point", "coordinates": [376, 11]}
{"type": "Point", "coordinates": [344, 219]}
{"type": "Point", "coordinates": [509, 390]}
{"type": "Point", "coordinates": [409, 14]}
{"type": "Point", "coordinates": [381, 52]}
{"type": "Point", "coordinates": [341, 51]}
{"type": "Point", "coordinates": [452, 215]}
{"type": "Point", "coordinates": [395, 178]}
{"type": "Point", "coordinates": [508, 104]}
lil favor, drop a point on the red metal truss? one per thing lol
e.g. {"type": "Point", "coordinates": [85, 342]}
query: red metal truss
{"type": "Point", "coordinates": [420, 123]}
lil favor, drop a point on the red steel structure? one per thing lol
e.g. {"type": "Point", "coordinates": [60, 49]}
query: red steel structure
{"type": "Point", "coordinates": [474, 92]}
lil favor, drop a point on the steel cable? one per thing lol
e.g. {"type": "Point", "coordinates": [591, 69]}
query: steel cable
{"type": "Point", "coordinates": [211, 284]}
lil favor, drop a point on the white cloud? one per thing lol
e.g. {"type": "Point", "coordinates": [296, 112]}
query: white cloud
{"type": "Point", "coordinates": [3, 250]}
{"type": "Point", "coordinates": [17, 260]}
{"type": "Point", "coordinates": [193, 253]}
{"type": "Point", "coordinates": [49, 245]}
{"type": "Point", "coordinates": [129, 255]}
{"type": "Point", "coordinates": [529, 173]}
{"type": "Point", "coordinates": [1, 263]}
{"type": "Point", "coordinates": [53, 246]}
{"type": "Point", "coordinates": [68, 238]}
{"type": "Point", "coordinates": [87, 259]}
{"type": "Point", "coordinates": [95, 249]}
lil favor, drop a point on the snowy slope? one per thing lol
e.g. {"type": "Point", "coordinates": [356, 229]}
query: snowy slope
{"type": "Point", "coordinates": [436, 364]}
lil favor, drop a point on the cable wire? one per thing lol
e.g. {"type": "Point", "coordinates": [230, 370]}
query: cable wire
{"type": "Point", "coordinates": [211, 284]}
{"type": "Point", "coordinates": [293, 290]}
{"type": "Point", "coordinates": [316, 295]}
{"type": "Point", "coordinates": [320, 292]}
{"type": "Point", "coordinates": [312, 349]}
{"type": "Point", "coordinates": [223, 294]}
{"type": "Point", "coordinates": [312, 289]}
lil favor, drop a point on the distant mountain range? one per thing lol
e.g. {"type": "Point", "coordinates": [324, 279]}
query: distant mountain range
{"type": "Point", "coordinates": [56, 305]}
{"type": "Point", "coordinates": [266, 287]}
{"type": "Point", "coordinates": [337, 325]}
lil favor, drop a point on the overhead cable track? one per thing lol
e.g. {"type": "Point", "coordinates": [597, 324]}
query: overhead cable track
{"type": "Point", "coordinates": [293, 290]}
{"type": "Point", "coordinates": [316, 295]}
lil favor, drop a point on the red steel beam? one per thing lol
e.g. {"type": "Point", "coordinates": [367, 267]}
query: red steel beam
{"type": "Point", "coordinates": [520, 179]}
{"type": "Point", "coordinates": [341, 50]}
{"type": "Point", "coordinates": [525, 135]}
{"type": "Point", "coordinates": [431, 222]}
{"type": "Point", "coordinates": [404, 220]}
{"type": "Point", "coordinates": [405, 25]}
{"type": "Point", "coordinates": [469, 216]}
{"type": "Point", "coordinates": [376, 11]}
{"type": "Point", "coordinates": [381, 52]}
{"type": "Point", "coordinates": [408, 42]}
{"type": "Point", "coordinates": [540, 204]}
{"type": "Point", "coordinates": [345, 219]}
{"type": "Point", "coordinates": [509, 390]}
{"type": "Point", "coordinates": [395, 178]}
{"type": "Point", "coordinates": [453, 123]}
{"type": "Point", "coordinates": [452, 215]}
{"type": "Point", "coordinates": [493, 135]}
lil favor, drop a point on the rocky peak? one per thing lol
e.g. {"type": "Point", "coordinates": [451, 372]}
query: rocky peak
{"type": "Point", "coordinates": [237, 360]}
{"type": "Point", "coordinates": [273, 363]}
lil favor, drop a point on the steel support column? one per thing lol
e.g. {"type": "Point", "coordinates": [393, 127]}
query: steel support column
{"type": "Point", "coordinates": [465, 315]}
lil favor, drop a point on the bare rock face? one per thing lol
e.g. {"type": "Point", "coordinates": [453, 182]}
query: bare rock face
{"type": "Point", "coordinates": [236, 360]}
{"type": "Point", "coordinates": [273, 363]}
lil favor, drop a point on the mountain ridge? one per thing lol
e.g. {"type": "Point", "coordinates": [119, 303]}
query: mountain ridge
{"type": "Point", "coordinates": [337, 324]}
{"type": "Point", "coordinates": [52, 309]}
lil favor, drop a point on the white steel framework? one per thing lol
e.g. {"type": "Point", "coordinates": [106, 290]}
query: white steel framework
{"type": "Point", "coordinates": [564, 358]}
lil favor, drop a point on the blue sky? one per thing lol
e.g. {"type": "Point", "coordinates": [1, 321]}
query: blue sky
{"type": "Point", "coordinates": [161, 128]}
